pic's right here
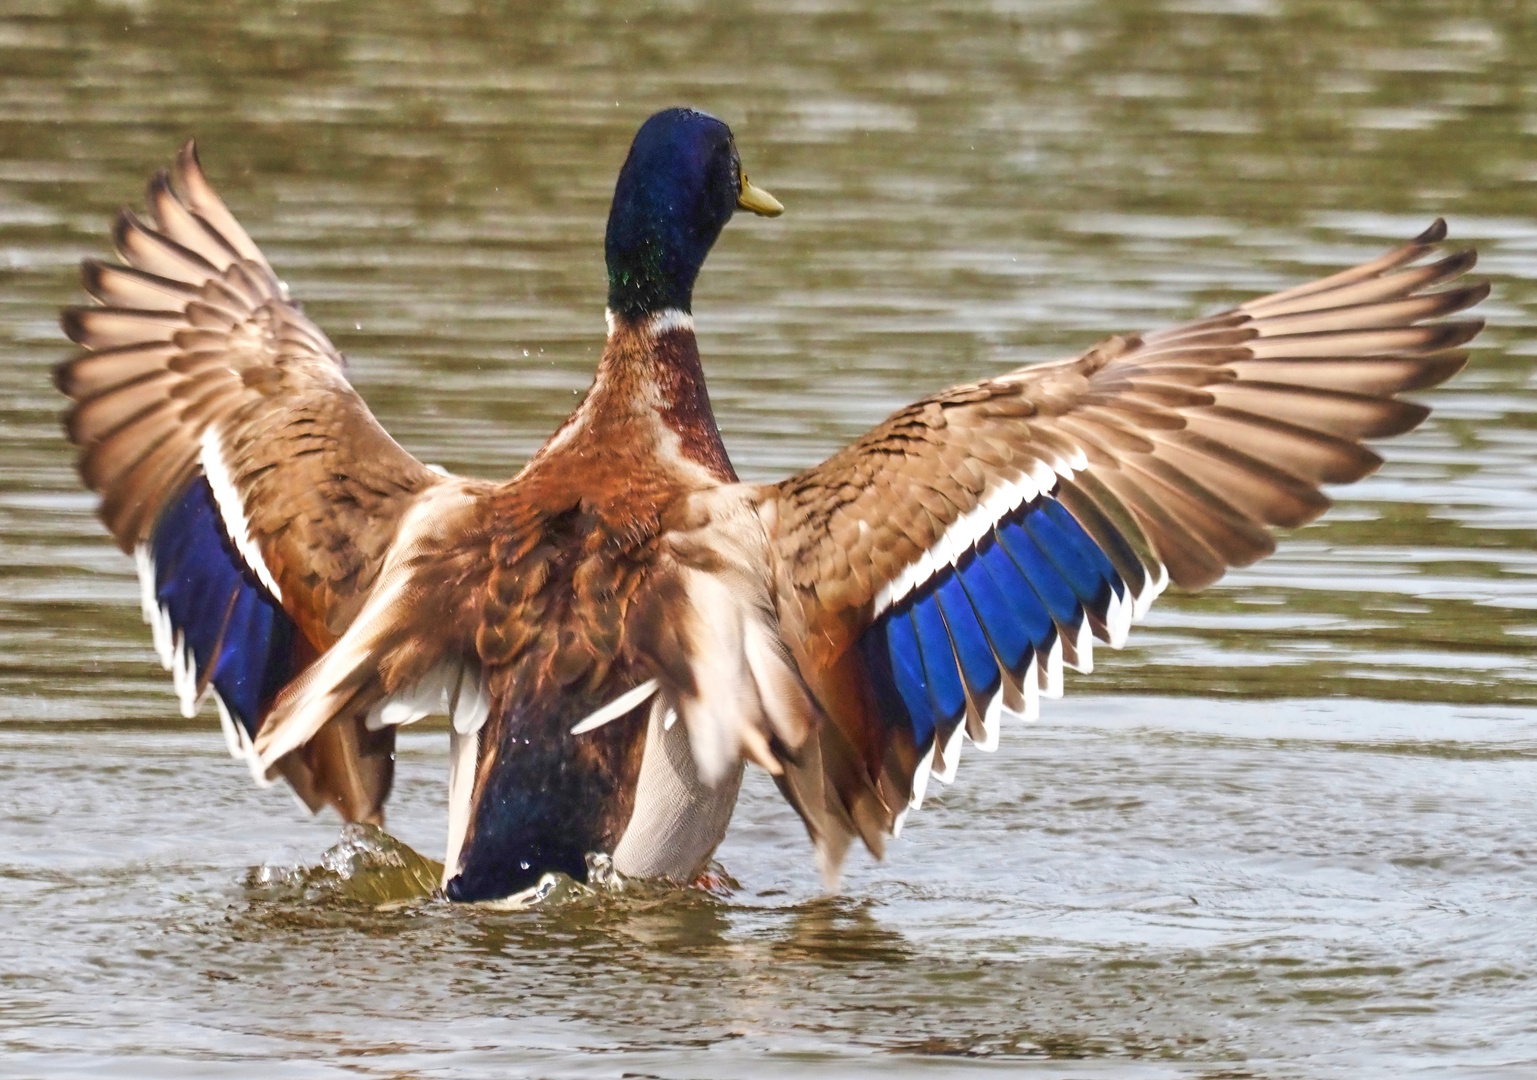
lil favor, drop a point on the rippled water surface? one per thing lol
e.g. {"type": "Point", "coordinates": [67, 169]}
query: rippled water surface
{"type": "Point", "coordinates": [1286, 832]}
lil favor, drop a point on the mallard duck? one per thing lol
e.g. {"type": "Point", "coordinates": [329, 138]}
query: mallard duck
{"type": "Point", "coordinates": [615, 631]}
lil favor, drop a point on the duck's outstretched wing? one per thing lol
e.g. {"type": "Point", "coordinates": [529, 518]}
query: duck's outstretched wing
{"type": "Point", "coordinates": [943, 569]}
{"type": "Point", "coordinates": [257, 492]}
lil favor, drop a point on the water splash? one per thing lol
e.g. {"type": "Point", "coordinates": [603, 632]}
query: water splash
{"type": "Point", "coordinates": [554, 889]}
{"type": "Point", "coordinates": [369, 866]}
{"type": "Point", "coordinates": [366, 866]}
{"type": "Point", "coordinates": [603, 880]}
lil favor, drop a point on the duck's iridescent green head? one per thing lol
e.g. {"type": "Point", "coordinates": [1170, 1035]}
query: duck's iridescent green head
{"type": "Point", "coordinates": [678, 188]}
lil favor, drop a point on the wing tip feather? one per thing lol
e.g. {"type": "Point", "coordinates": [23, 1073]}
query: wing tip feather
{"type": "Point", "coordinates": [187, 160]}
{"type": "Point", "coordinates": [1476, 293]}
{"type": "Point", "coordinates": [1434, 234]}
{"type": "Point", "coordinates": [1452, 333]}
{"type": "Point", "coordinates": [72, 320]}
{"type": "Point", "coordinates": [1435, 371]}
{"type": "Point", "coordinates": [1407, 416]}
{"type": "Point", "coordinates": [92, 271]}
{"type": "Point", "coordinates": [158, 187]}
{"type": "Point", "coordinates": [123, 225]}
{"type": "Point", "coordinates": [65, 380]}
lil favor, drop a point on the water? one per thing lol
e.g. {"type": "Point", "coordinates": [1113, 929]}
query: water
{"type": "Point", "coordinates": [1284, 833]}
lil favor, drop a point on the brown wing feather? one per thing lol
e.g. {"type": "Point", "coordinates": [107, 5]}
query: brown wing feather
{"type": "Point", "coordinates": [196, 333]}
{"type": "Point", "coordinates": [1177, 451]}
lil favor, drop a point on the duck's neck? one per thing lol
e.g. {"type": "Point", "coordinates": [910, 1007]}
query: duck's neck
{"type": "Point", "coordinates": [649, 397]}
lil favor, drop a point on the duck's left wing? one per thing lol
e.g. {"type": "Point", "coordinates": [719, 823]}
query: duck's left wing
{"type": "Point", "coordinates": [943, 569]}
{"type": "Point", "coordinates": [257, 491]}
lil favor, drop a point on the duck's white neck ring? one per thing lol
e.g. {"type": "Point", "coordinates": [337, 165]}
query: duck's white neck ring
{"type": "Point", "coordinates": [655, 324]}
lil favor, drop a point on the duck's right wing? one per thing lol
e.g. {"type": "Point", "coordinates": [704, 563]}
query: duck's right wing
{"type": "Point", "coordinates": [234, 459]}
{"type": "Point", "coordinates": [942, 569]}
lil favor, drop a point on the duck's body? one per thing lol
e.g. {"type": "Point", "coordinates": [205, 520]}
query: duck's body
{"type": "Point", "coordinates": [615, 630]}
{"type": "Point", "coordinates": [573, 553]}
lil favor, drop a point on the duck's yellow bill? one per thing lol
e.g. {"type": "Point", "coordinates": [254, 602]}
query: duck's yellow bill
{"type": "Point", "coordinates": [757, 200]}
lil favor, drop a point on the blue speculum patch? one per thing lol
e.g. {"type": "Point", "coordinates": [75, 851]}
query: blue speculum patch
{"type": "Point", "coordinates": [1032, 578]}
{"type": "Point", "coordinates": [228, 619]}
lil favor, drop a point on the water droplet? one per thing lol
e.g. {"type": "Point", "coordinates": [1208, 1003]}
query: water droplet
{"type": "Point", "coordinates": [523, 865]}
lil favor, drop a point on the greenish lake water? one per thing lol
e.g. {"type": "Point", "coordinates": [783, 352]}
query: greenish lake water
{"type": "Point", "coordinates": [1284, 833]}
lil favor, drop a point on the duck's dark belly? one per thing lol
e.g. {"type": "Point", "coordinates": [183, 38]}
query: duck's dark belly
{"type": "Point", "coordinates": [544, 799]}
